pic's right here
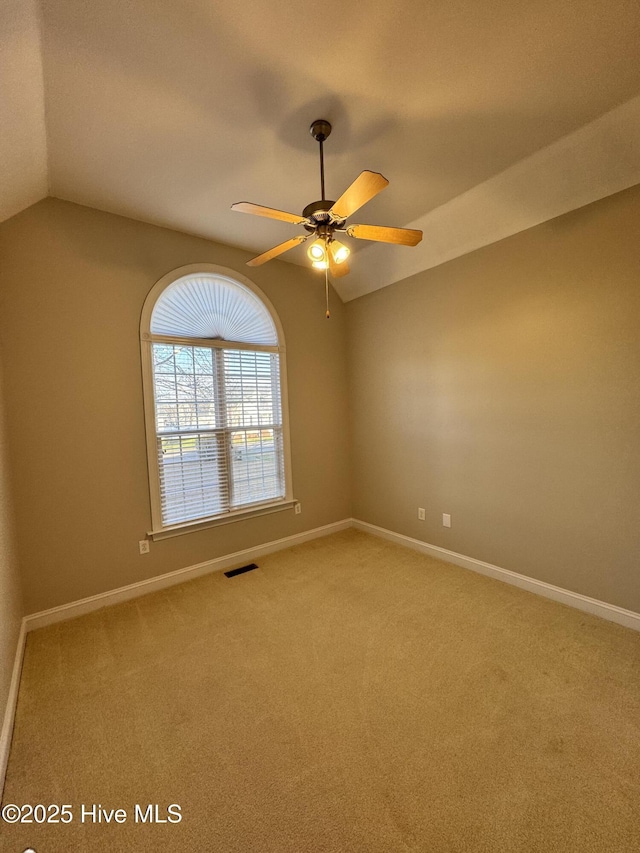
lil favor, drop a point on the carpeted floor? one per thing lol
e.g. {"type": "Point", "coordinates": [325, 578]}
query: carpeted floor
{"type": "Point", "coordinates": [349, 695]}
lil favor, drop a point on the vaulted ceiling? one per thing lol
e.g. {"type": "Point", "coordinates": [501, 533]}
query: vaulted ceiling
{"type": "Point", "coordinates": [487, 117]}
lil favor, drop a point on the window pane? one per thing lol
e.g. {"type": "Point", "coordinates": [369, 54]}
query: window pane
{"type": "Point", "coordinates": [163, 361]}
{"type": "Point", "coordinates": [167, 417]}
{"type": "Point", "coordinates": [192, 480]}
{"type": "Point", "coordinates": [165, 386]}
{"type": "Point", "coordinates": [184, 359]}
{"type": "Point", "coordinates": [203, 360]}
{"type": "Point", "coordinates": [184, 387]}
{"type": "Point", "coordinates": [256, 466]}
{"type": "Point", "coordinates": [187, 416]}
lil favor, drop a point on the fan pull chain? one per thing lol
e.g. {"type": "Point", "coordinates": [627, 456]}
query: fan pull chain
{"type": "Point", "coordinates": [326, 290]}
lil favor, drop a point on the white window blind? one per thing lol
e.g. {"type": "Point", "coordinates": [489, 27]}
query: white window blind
{"type": "Point", "coordinates": [219, 429]}
{"type": "Point", "coordinates": [219, 438]}
{"type": "Point", "coordinates": [216, 307]}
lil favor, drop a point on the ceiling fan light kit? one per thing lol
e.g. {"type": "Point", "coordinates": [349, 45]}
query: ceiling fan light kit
{"type": "Point", "coordinates": [323, 218]}
{"type": "Point", "coordinates": [339, 251]}
{"type": "Point", "coordinates": [316, 250]}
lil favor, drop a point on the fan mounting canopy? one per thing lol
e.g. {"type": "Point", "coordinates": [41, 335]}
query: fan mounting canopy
{"type": "Point", "coordinates": [320, 129]}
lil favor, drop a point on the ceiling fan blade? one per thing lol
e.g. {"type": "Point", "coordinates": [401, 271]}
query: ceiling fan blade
{"type": "Point", "coordinates": [363, 189]}
{"type": "Point", "coordinates": [277, 250]}
{"type": "Point", "coordinates": [337, 270]}
{"type": "Point", "coordinates": [270, 212]}
{"type": "Point", "coordinates": [382, 234]}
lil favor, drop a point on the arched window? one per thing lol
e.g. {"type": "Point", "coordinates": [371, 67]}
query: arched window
{"type": "Point", "coordinates": [215, 400]}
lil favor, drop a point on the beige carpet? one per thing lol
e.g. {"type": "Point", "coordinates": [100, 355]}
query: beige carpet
{"type": "Point", "coordinates": [349, 695]}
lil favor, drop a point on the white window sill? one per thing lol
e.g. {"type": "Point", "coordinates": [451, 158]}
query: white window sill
{"type": "Point", "coordinates": [228, 518]}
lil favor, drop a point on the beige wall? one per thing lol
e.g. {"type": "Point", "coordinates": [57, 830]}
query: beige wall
{"type": "Point", "coordinates": [74, 282]}
{"type": "Point", "coordinates": [504, 388]}
{"type": "Point", "coordinates": [10, 597]}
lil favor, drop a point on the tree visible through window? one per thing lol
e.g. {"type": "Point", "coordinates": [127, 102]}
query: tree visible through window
{"type": "Point", "coordinates": [215, 364]}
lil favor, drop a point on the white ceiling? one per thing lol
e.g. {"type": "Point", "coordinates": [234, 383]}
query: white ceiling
{"type": "Point", "coordinates": [168, 111]}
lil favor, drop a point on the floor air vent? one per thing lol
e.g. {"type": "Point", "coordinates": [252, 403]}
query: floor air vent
{"type": "Point", "coordinates": [241, 570]}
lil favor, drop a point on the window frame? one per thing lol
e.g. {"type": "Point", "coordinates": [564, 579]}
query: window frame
{"type": "Point", "coordinates": [147, 339]}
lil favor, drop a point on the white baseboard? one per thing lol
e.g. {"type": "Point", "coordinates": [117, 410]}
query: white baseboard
{"type": "Point", "coordinates": [10, 709]}
{"type": "Point", "coordinates": [611, 612]}
{"type": "Point", "coordinates": [134, 590]}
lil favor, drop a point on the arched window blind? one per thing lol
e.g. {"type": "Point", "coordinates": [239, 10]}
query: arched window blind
{"type": "Point", "coordinates": [213, 307]}
{"type": "Point", "coordinates": [213, 377]}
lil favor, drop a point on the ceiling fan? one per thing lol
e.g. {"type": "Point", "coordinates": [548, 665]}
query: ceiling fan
{"type": "Point", "coordinates": [324, 218]}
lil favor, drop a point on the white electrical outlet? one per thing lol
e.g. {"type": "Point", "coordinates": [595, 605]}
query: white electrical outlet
{"type": "Point", "coordinates": [446, 519]}
{"type": "Point", "coordinates": [143, 544]}
{"type": "Point", "coordinates": [298, 509]}
{"type": "Point", "coordinates": [420, 513]}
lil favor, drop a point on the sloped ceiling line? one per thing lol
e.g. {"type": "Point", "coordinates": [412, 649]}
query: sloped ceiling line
{"type": "Point", "coordinates": [595, 161]}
